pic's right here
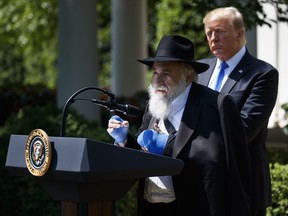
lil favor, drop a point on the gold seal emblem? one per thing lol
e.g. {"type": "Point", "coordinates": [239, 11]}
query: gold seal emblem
{"type": "Point", "coordinates": [38, 152]}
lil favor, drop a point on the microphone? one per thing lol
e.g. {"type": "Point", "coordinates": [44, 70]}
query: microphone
{"type": "Point", "coordinates": [112, 105]}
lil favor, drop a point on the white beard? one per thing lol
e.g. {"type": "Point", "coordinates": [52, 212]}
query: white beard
{"type": "Point", "coordinates": [159, 103]}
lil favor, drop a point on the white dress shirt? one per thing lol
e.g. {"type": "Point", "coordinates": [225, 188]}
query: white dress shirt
{"type": "Point", "coordinates": [160, 188]}
{"type": "Point", "coordinates": [232, 62]}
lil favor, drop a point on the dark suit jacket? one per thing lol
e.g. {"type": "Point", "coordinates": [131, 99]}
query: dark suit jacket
{"type": "Point", "coordinates": [253, 84]}
{"type": "Point", "coordinates": [211, 141]}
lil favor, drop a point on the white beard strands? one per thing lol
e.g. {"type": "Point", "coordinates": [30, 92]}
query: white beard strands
{"type": "Point", "coordinates": [159, 103]}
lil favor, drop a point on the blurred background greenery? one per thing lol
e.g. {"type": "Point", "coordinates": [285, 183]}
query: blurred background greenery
{"type": "Point", "coordinates": [28, 73]}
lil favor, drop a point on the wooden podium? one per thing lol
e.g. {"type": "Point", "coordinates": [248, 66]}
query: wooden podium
{"type": "Point", "coordinates": [88, 175]}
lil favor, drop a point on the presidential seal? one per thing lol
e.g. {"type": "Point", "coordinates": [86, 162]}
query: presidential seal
{"type": "Point", "coordinates": [38, 152]}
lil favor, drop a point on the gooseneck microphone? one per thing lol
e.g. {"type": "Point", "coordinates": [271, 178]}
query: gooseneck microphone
{"type": "Point", "coordinates": [110, 105]}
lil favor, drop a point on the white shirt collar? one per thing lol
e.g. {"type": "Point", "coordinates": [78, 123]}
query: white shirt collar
{"type": "Point", "coordinates": [179, 102]}
{"type": "Point", "coordinates": [176, 110]}
{"type": "Point", "coordinates": [234, 60]}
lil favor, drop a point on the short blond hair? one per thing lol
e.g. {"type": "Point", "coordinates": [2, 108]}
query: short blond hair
{"type": "Point", "coordinates": [230, 13]}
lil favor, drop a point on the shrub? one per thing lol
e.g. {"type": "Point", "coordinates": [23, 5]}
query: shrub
{"type": "Point", "coordinates": [279, 176]}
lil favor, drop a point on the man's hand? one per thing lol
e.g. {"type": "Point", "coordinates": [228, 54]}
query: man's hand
{"type": "Point", "coordinates": [118, 129]}
{"type": "Point", "coordinates": [152, 141]}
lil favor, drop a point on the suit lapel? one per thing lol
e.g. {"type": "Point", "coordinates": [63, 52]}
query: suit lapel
{"type": "Point", "coordinates": [237, 73]}
{"type": "Point", "coordinates": [189, 120]}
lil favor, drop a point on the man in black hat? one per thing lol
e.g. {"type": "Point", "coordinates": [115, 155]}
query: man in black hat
{"type": "Point", "coordinates": [191, 122]}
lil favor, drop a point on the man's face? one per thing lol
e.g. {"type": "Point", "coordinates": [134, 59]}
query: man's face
{"type": "Point", "coordinates": [224, 41]}
{"type": "Point", "coordinates": [168, 82]}
{"type": "Point", "coordinates": [166, 75]}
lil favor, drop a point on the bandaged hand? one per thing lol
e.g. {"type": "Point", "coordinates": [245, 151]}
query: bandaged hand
{"type": "Point", "coordinates": [118, 129]}
{"type": "Point", "coordinates": [152, 141]}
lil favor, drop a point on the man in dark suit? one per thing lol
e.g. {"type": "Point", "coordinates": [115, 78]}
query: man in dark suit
{"type": "Point", "coordinates": [206, 133]}
{"type": "Point", "coordinates": [252, 83]}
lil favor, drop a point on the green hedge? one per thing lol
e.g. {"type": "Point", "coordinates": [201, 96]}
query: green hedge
{"type": "Point", "coordinates": [279, 175]}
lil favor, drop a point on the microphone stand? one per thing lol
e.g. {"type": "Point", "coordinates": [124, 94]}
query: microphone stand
{"type": "Point", "coordinates": [71, 101]}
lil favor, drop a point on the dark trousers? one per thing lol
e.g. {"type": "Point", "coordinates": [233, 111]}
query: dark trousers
{"type": "Point", "coordinates": [157, 209]}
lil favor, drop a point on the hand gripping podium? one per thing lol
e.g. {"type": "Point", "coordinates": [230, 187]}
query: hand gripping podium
{"type": "Point", "coordinates": [84, 170]}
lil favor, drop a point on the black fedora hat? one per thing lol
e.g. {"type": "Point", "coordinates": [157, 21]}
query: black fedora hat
{"type": "Point", "coordinates": [175, 48]}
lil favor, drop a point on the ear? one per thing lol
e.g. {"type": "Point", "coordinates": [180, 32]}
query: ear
{"type": "Point", "coordinates": [240, 34]}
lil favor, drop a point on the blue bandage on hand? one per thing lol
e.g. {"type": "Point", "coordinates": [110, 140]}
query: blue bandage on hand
{"type": "Point", "coordinates": [119, 134]}
{"type": "Point", "coordinates": [152, 141]}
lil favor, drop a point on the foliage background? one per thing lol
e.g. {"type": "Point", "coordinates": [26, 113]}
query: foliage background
{"type": "Point", "coordinates": [28, 73]}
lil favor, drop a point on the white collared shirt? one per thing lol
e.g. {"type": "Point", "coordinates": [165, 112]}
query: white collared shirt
{"type": "Point", "coordinates": [176, 110]}
{"type": "Point", "coordinates": [160, 188]}
{"type": "Point", "coordinates": [232, 62]}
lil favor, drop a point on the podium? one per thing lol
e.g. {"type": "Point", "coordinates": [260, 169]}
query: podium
{"type": "Point", "coordinates": [87, 171]}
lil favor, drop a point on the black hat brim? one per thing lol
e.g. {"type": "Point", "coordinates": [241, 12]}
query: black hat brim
{"type": "Point", "coordinates": [199, 67]}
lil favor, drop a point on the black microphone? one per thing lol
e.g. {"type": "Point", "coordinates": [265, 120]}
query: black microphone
{"type": "Point", "coordinates": [112, 105]}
